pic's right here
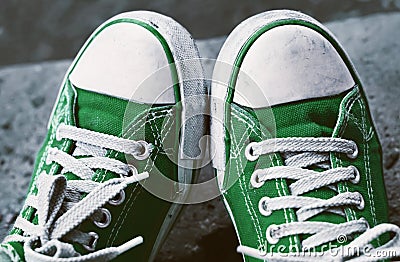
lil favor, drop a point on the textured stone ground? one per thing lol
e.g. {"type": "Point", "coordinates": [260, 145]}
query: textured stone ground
{"type": "Point", "coordinates": [27, 93]}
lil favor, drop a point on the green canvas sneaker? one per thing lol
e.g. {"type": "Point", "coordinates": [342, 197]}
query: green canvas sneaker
{"type": "Point", "coordinates": [297, 156]}
{"type": "Point", "coordinates": [120, 101]}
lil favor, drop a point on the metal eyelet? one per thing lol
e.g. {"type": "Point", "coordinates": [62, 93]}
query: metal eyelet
{"type": "Point", "coordinates": [249, 152]}
{"type": "Point", "coordinates": [118, 199]}
{"type": "Point", "coordinates": [132, 171]}
{"type": "Point", "coordinates": [271, 239]}
{"type": "Point", "coordinates": [50, 152]}
{"type": "Point", "coordinates": [147, 148]}
{"type": "Point", "coordinates": [354, 154]}
{"type": "Point", "coordinates": [363, 219]}
{"type": "Point", "coordinates": [105, 219]}
{"type": "Point", "coordinates": [255, 179]}
{"type": "Point", "coordinates": [357, 176]}
{"type": "Point", "coordinates": [48, 161]}
{"type": "Point", "coordinates": [361, 205]}
{"type": "Point", "coordinates": [58, 136]}
{"type": "Point", "coordinates": [92, 245]}
{"type": "Point", "coordinates": [263, 206]}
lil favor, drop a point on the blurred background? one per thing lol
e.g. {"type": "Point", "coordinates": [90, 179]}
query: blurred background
{"type": "Point", "coordinates": [36, 30]}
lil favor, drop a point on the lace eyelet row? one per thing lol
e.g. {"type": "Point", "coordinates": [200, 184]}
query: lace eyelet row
{"type": "Point", "coordinates": [249, 152]}
{"type": "Point", "coordinates": [92, 244]}
{"type": "Point", "coordinates": [105, 213]}
{"type": "Point", "coordinates": [354, 154]}
{"type": "Point", "coordinates": [250, 156]}
{"type": "Point", "coordinates": [269, 234]}
{"type": "Point", "coordinates": [118, 199]}
{"type": "Point", "coordinates": [263, 206]}
{"type": "Point", "coordinates": [255, 182]}
{"type": "Point", "coordinates": [255, 179]}
{"type": "Point", "coordinates": [361, 205]}
{"type": "Point", "coordinates": [273, 238]}
{"type": "Point", "coordinates": [357, 176]}
{"type": "Point", "coordinates": [146, 150]}
{"type": "Point", "coordinates": [102, 217]}
{"type": "Point", "coordinates": [105, 220]}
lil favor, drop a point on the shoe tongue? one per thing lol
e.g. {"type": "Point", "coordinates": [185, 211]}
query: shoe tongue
{"type": "Point", "coordinates": [312, 118]}
{"type": "Point", "coordinates": [104, 114]}
{"type": "Point", "coordinates": [100, 113]}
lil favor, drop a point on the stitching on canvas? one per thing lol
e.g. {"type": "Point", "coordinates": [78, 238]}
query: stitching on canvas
{"type": "Point", "coordinates": [127, 207]}
{"type": "Point", "coordinates": [254, 126]}
{"type": "Point", "coordinates": [365, 134]}
{"type": "Point", "coordinates": [60, 114]}
{"type": "Point", "coordinates": [169, 124]}
{"type": "Point", "coordinates": [118, 224]}
{"type": "Point", "coordinates": [362, 127]}
{"type": "Point", "coordinates": [249, 122]}
{"type": "Point", "coordinates": [145, 120]}
{"type": "Point", "coordinates": [135, 192]}
{"type": "Point", "coordinates": [248, 203]}
{"type": "Point", "coordinates": [280, 188]}
{"type": "Point", "coordinates": [349, 105]}
{"type": "Point", "coordinates": [347, 108]}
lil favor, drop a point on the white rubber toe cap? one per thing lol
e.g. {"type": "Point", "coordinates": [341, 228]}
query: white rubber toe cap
{"type": "Point", "coordinates": [119, 59]}
{"type": "Point", "coordinates": [290, 63]}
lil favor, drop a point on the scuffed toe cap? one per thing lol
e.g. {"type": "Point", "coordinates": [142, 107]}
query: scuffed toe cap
{"type": "Point", "coordinates": [290, 63]}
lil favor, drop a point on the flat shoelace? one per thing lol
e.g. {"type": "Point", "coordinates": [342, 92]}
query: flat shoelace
{"type": "Point", "coordinates": [59, 203]}
{"type": "Point", "coordinates": [298, 154]}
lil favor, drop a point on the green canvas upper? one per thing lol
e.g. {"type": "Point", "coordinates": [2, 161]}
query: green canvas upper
{"type": "Point", "coordinates": [141, 213]}
{"type": "Point", "coordinates": [342, 116]}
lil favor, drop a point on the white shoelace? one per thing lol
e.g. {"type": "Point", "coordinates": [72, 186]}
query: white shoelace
{"type": "Point", "coordinates": [59, 204]}
{"type": "Point", "coordinates": [298, 154]}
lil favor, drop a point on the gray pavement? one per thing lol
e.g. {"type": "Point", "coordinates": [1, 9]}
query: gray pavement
{"type": "Point", "coordinates": [204, 231]}
{"type": "Point", "coordinates": [32, 31]}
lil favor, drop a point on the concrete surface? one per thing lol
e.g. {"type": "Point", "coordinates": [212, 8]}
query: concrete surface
{"type": "Point", "coordinates": [204, 231]}
{"type": "Point", "coordinates": [54, 29]}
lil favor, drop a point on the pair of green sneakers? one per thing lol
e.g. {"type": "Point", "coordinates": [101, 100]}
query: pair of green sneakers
{"type": "Point", "coordinates": [296, 155]}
